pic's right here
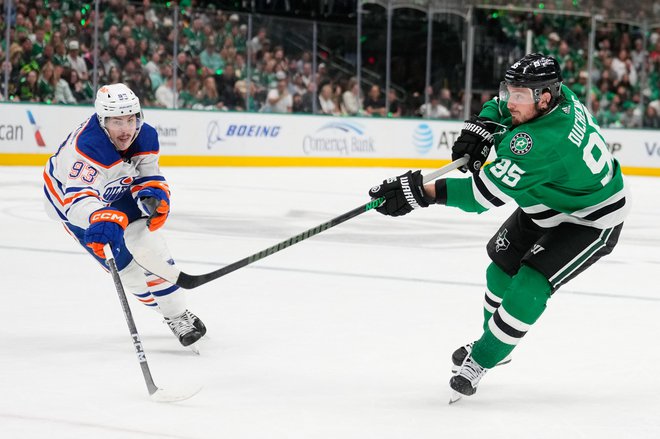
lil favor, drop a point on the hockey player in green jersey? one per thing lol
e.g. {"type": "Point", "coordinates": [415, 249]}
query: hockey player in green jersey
{"type": "Point", "coordinates": [552, 161]}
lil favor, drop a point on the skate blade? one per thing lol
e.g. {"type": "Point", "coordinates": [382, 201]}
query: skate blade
{"type": "Point", "coordinates": [193, 348]}
{"type": "Point", "coordinates": [455, 397]}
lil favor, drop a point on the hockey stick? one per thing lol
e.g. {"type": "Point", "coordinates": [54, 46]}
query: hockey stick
{"type": "Point", "coordinates": [156, 394]}
{"type": "Point", "coordinates": [188, 281]}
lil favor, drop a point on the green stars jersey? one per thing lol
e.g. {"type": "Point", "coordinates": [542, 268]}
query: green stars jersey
{"type": "Point", "coordinates": [557, 168]}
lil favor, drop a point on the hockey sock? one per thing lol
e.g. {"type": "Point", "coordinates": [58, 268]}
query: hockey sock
{"type": "Point", "coordinates": [171, 301]}
{"type": "Point", "coordinates": [172, 305]}
{"type": "Point", "coordinates": [132, 278]}
{"type": "Point", "coordinates": [523, 303]}
{"type": "Point", "coordinates": [497, 281]}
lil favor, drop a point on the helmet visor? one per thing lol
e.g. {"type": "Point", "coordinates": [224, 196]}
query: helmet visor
{"type": "Point", "coordinates": [516, 95]}
{"type": "Point", "coordinates": [129, 121]}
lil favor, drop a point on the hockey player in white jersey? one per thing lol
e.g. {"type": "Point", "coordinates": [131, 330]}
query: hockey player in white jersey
{"type": "Point", "coordinates": [105, 185]}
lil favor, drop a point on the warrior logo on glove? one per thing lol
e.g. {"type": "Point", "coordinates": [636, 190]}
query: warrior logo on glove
{"type": "Point", "coordinates": [475, 141]}
{"type": "Point", "coordinates": [402, 194]}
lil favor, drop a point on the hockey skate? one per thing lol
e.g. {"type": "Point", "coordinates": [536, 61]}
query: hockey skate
{"type": "Point", "coordinates": [188, 328]}
{"type": "Point", "coordinates": [461, 353]}
{"type": "Point", "coordinates": [465, 382]}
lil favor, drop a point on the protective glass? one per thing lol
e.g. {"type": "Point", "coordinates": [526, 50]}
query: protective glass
{"type": "Point", "coordinates": [516, 95]}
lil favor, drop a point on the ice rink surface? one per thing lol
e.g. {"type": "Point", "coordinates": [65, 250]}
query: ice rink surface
{"type": "Point", "coordinates": [345, 335]}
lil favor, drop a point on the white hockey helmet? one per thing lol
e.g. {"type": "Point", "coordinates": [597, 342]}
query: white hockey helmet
{"type": "Point", "coordinates": [117, 100]}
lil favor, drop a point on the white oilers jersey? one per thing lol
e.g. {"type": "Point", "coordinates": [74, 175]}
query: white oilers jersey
{"type": "Point", "coordinates": [88, 173]}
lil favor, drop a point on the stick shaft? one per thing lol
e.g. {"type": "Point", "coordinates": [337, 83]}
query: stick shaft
{"type": "Point", "coordinates": [188, 281]}
{"type": "Point", "coordinates": [128, 315]}
{"type": "Point", "coordinates": [191, 281]}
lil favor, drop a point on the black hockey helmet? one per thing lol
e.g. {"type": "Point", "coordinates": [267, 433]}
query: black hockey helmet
{"type": "Point", "coordinates": [537, 72]}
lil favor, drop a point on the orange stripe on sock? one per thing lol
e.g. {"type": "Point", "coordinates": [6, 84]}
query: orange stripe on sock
{"type": "Point", "coordinates": [153, 283]}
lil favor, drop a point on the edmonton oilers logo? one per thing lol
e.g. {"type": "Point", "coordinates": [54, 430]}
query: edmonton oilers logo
{"type": "Point", "coordinates": [116, 188]}
{"type": "Point", "coordinates": [423, 138]}
{"type": "Point", "coordinates": [521, 143]}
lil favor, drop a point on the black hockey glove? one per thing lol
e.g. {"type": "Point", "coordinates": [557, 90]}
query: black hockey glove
{"type": "Point", "coordinates": [402, 194]}
{"type": "Point", "coordinates": [475, 141]}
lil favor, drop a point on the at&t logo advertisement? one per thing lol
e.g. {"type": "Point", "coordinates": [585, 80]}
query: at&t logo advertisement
{"type": "Point", "coordinates": [423, 138]}
{"type": "Point", "coordinates": [434, 138]}
{"type": "Point", "coordinates": [339, 138]}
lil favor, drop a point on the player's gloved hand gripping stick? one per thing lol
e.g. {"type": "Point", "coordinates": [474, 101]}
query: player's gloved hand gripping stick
{"type": "Point", "coordinates": [184, 280]}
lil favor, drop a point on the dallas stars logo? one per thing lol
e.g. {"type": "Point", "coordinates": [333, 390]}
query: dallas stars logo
{"type": "Point", "coordinates": [521, 143]}
{"type": "Point", "coordinates": [501, 243]}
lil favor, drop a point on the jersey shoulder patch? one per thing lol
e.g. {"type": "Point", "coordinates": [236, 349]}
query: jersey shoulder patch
{"type": "Point", "coordinates": [146, 141]}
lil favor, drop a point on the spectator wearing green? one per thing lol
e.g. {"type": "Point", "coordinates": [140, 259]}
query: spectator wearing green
{"type": "Point", "coordinates": [612, 116]}
{"type": "Point", "coordinates": [209, 97]}
{"type": "Point", "coordinates": [59, 57]}
{"type": "Point", "coordinates": [39, 42]}
{"type": "Point", "coordinates": [266, 74]}
{"type": "Point", "coordinates": [27, 48]}
{"type": "Point", "coordinates": [195, 36]}
{"type": "Point", "coordinates": [189, 96]}
{"type": "Point", "coordinates": [550, 44]}
{"type": "Point", "coordinates": [56, 14]}
{"type": "Point", "coordinates": [28, 90]}
{"type": "Point", "coordinates": [580, 87]}
{"type": "Point", "coordinates": [110, 19]}
{"type": "Point", "coordinates": [139, 30]}
{"type": "Point", "coordinates": [47, 83]}
{"type": "Point", "coordinates": [631, 116]}
{"type": "Point", "coordinates": [240, 38]}
{"type": "Point", "coordinates": [21, 26]}
{"type": "Point", "coordinates": [46, 55]}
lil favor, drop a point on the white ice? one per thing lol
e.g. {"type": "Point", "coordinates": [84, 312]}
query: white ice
{"type": "Point", "coordinates": [345, 335]}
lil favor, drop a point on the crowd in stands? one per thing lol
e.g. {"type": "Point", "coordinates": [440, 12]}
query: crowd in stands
{"type": "Point", "coordinates": [50, 60]}
{"type": "Point", "coordinates": [625, 78]}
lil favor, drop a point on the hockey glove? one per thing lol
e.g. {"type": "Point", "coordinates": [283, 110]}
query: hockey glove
{"type": "Point", "coordinates": [155, 202]}
{"type": "Point", "coordinates": [106, 226]}
{"type": "Point", "coordinates": [475, 141]}
{"type": "Point", "coordinates": [402, 194]}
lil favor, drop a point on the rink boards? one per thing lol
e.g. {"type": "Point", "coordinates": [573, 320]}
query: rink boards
{"type": "Point", "coordinates": [29, 133]}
